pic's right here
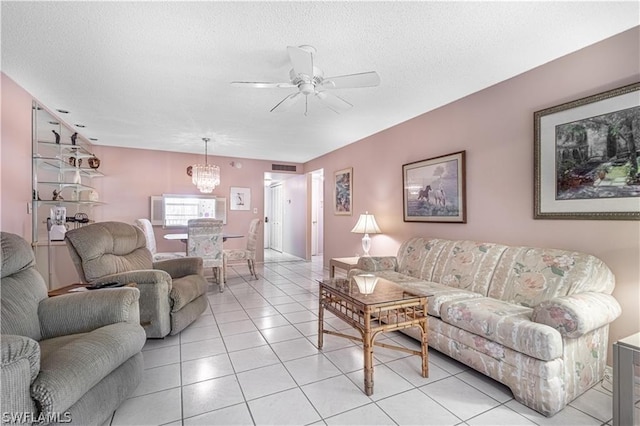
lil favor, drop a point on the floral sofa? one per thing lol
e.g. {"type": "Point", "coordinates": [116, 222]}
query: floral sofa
{"type": "Point", "coordinates": [534, 319]}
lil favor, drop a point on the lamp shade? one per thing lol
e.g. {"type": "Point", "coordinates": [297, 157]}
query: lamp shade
{"type": "Point", "coordinates": [366, 225]}
{"type": "Point", "coordinates": [366, 283]}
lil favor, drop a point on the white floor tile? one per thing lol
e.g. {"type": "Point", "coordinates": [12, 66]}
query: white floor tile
{"type": "Point", "coordinates": [237, 342]}
{"type": "Point", "coordinates": [459, 397]}
{"type": "Point", "coordinates": [236, 327]}
{"type": "Point", "coordinates": [249, 359]}
{"type": "Point", "coordinates": [271, 321]}
{"type": "Point", "coordinates": [224, 317]}
{"type": "Point", "coordinates": [201, 349]}
{"type": "Point", "coordinates": [487, 385]}
{"type": "Point", "coordinates": [280, 334]}
{"type": "Point", "coordinates": [335, 395]}
{"type": "Point", "coordinates": [199, 333]}
{"type": "Point", "coordinates": [234, 415]}
{"type": "Point", "coordinates": [286, 408]}
{"type": "Point", "coordinates": [596, 404]}
{"type": "Point", "coordinates": [415, 408]}
{"type": "Point", "coordinates": [265, 381]}
{"type": "Point", "coordinates": [153, 409]}
{"type": "Point", "coordinates": [568, 416]}
{"type": "Point", "coordinates": [292, 349]}
{"type": "Point", "coordinates": [206, 368]}
{"type": "Point", "coordinates": [162, 356]}
{"type": "Point", "coordinates": [411, 369]}
{"type": "Point", "coordinates": [311, 369]}
{"type": "Point", "coordinates": [368, 415]}
{"type": "Point", "coordinates": [499, 416]}
{"type": "Point", "coordinates": [158, 379]}
{"type": "Point", "coordinates": [386, 382]}
{"type": "Point", "coordinates": [210, 395]}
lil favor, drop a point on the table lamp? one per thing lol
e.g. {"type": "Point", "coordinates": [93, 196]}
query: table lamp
{"type": "Point", "coordinates": [366, 225]}
{"type": "Point", "coordinates": [366, 283]}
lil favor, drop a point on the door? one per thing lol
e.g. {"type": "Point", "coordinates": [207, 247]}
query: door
{"type": "Point", "coordinates": [316, 213]}
{"type": "Point", "coordinates": [277, 210]}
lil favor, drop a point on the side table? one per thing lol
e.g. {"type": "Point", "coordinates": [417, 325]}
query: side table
{"type": "Point", "coordinates": [345, 263]}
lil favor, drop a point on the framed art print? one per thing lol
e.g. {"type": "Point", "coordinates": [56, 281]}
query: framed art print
{"type": "Point", "coordinates": [434, 189]}
{"type": "Point", "coordinates": [240, 198]}
{"type": "Point", "coordinates": [343, 192]}
{"type": "Point", "coordinates": [587, 156]}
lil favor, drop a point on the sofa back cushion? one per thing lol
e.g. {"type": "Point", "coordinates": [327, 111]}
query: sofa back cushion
{"type": "Point", "coordinates": [528, 276]}
{"type": "Point", "coordinates": [22, 288]}
{"type": "Point", "coordinates": [106, 248]}
{"type": "Point", "coordinates": [468, 265]}
{"type": "Point", "coordinates": [418, 256]}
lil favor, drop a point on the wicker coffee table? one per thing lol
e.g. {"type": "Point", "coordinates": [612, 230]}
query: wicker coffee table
{"type": "Point", "coordinates": [388, 308]}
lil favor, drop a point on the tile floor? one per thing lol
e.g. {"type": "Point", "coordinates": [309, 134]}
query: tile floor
{"type": "Point", "coordinates": [251, 358]}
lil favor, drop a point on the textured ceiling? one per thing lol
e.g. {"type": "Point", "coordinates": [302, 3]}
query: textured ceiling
{"type": "Point", "coordinates": [156, 75]}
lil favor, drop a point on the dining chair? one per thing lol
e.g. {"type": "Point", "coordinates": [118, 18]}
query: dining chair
{"type": "Point", "coordinates": [205, 241]}
{"type": "Point", "coordinates": [147, 229]}
{"type": "Point", "coordinates": [249, 253]}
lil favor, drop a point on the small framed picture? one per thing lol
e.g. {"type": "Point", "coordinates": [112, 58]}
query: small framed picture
{"type": "Point", "coordinates": [587, 157]}
{"type": "Point", "coordinates": [434, 189]}
{"type": "Point", "coordinates": [240, 198]}
{"type": "Point", "coordinates": [343, 192]}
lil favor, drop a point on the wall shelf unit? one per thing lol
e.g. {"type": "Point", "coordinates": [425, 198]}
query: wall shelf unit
{"type": "Point", "coordinates": [61, 164]}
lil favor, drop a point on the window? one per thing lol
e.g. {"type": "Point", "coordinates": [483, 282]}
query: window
{"type": "Point", "coordinates": [175, 210]}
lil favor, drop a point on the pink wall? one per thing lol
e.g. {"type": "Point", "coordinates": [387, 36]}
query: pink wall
{"type": "Point", "coordinates": [495, 127]}
{"type": "Point", "coordinates": [131, 177]}
{"type": "Point", "coordinates": [15, 157]}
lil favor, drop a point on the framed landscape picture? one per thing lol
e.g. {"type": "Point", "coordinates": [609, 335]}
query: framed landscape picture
{"type": "Point", "coordinates": [587, 156]}
{"type": "Point", "coordinates": [343, 192]}
{"type": "Point", "coordinates": [434, 189]}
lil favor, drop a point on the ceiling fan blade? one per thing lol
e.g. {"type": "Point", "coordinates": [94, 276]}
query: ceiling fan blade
{"type": "Point", "coordinates": [364, 79]}
{"type": "Point", "coordinates": [262, 85]}
{"type": "Point", "coordinates": [334, 102]}
{"type": "Point", "coordinates": [286, 103]}
{"type": "Point", "coordinates": [302, 60]}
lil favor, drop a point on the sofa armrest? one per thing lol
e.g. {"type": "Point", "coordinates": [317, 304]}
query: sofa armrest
{"type": "Point", "coordinates": [87, 311]}
{"type": "Point", "coordinates": [577, 314]}
{"type": "Point", "coordinates": [181, 267]}
{"type": "Point", "coordinates": [378, 263]}
{"type": "Point", "coordinates": [20, 367]}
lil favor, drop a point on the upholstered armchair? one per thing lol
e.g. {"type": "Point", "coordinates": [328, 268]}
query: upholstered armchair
{"type": "Point", "coordinates": [71, 358]}
{"type": "Point", "coordinates": [147, 229]}
{"type": "Point", "coordinates": [248, 254]}
{"type": "Point", "coordinates": [172, 292]}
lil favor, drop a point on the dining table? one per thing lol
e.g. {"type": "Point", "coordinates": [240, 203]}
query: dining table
{"type": "Point", "coordinates": [183, 236]}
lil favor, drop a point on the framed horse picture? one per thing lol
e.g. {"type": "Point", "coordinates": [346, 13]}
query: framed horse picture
{"type": "Point", "coordinates": [434, 189]}
{"type": "Point", "coordinates": [343, 192]}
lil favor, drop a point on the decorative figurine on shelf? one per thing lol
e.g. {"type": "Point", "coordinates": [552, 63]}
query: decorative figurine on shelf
{"type": "Point", "coordinates": [57, 136]}
{"type": "Point", "coordinates": [73, 138]}
{"type": "Point", "coordinates": [94, 162]}
{"type": "Point", "coordinates": [57, 195]}
{"type": "Point", "coordinates": [77, 179]}
{"type": "Point", "coordinates": [73, 162]}
{"type": "Point", "coordinates": [36, 195]}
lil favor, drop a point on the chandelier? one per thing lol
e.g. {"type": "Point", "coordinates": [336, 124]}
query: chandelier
{"type": "Point", "coordinates": [205, 176]}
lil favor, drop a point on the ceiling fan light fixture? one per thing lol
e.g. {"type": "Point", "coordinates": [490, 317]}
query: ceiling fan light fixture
{"type": "Point", "coordinates": [205, 176]}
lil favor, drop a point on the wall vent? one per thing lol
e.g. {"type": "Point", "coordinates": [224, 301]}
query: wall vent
{"type": "Point", "coordinates": [283, 168]}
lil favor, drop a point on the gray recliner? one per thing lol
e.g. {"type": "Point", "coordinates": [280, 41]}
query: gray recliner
{"type": "Point", "coordinates": [172, 292]}
{"type": "Point", "coordinates": [71, 358]}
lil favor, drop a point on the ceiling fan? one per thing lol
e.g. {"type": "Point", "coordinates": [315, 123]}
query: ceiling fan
{"type": "Point", "coordinates": [310, 80]}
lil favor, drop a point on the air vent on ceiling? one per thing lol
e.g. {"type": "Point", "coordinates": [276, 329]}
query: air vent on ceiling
{"type": "Point", "coordinates": [283, 168]}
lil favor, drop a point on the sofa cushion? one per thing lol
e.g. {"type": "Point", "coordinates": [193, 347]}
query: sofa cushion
{"type": "Point", "coordinates": [438, 294]}
{"type": "Point", "coordinates": [185, 290]}
{"type": "Point", "coordinates": [418, 256]}
{"type": "Point", "coordinates": [506, 324]}
{"type": "Point", "coordinates": [73, 364]}
{"type": "Point", "coordinates": [528, 276]}
{"type": "Point", "coordinates": [468, 265]}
